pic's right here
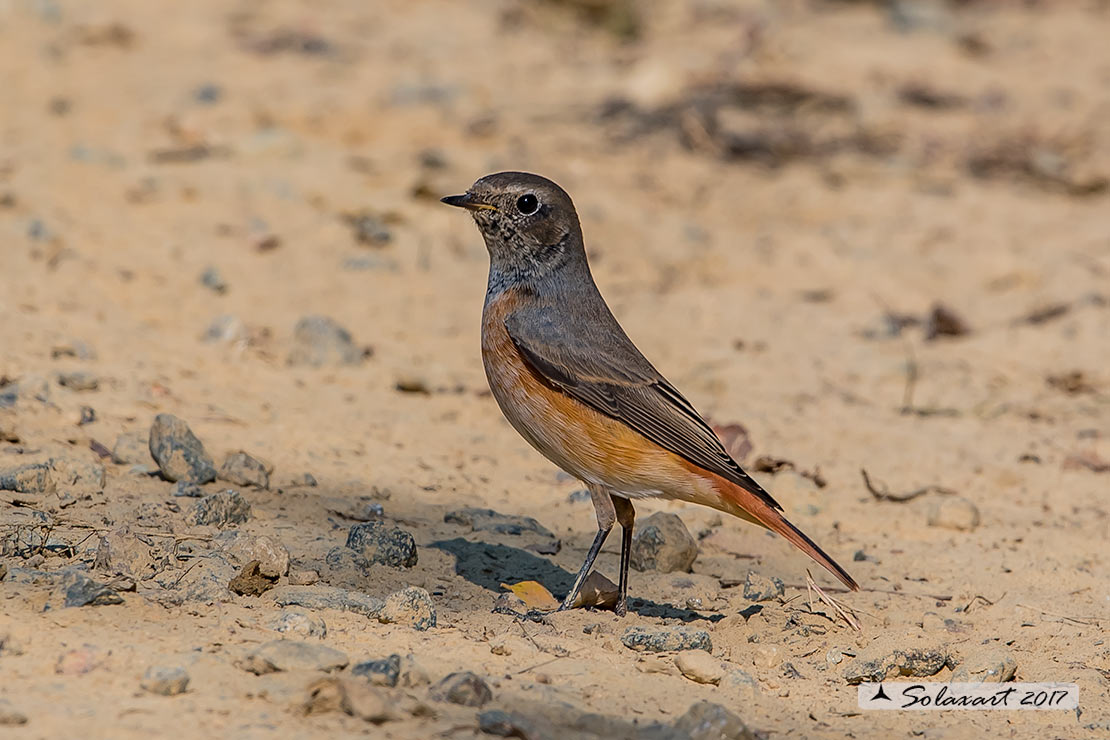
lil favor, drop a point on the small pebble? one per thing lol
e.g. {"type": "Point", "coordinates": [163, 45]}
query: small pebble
{"type": "Point", "coordinates": [165, 680]}
{"type": "Point", "coordinates": [662, 543]}
{"type": "Point", "coordinates": [78, 381]}
{"type": "Point", "coordinates": [304, 479]}
{"type": "Point", "coordinates": [213, 280]}
{"type": "Point", "coordinates": [464, 688]}
{"type": "Point", "coordinates": [672, 639]}
{"type": "Point", "coordinates": [319, 341]}
{"type": "Point", "coordinates": [80, 590]}
{"type": "Point", "coordinates": [708, 721]}
{"type": "Point", "coordinates": [699, 666]}
{"type": "Point", "coordinates": [326, 597]}
{"type": "Point", "coordinates": [243, 470]}
{"type": "Point", "coordinates": [178, 452]}
{"type": "Point", "coordinates": [412, 606]}
{"type": "Point", "coordinates": [272, 556]}
{"type": "Point", "coordinates": [761, 588]}
{"type": "Point", "coordinates": [299, 622]}
{"type": "Point", "coordinates": [208, 94]}
{"type": "Point", "coordinates": [385, 672]}
{"type": "Point", "coordinates": [378, 544]}
{"type": "Point", "coordinates": [222, 510]}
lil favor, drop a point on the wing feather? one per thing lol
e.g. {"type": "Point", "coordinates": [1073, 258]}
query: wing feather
{"type": "Point", "coordinates": [626, 387]}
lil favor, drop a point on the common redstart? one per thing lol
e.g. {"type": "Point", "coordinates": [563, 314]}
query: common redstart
{"type": "Point", "coordinates": [573, 384]}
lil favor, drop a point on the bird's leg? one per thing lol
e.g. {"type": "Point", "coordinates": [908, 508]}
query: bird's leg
{"type": "Point", "coordinates": [606, 517]}
{"type": "Point", "coordinates": [626, 515]}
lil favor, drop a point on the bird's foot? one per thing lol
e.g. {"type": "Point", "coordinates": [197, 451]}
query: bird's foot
{"type": "Point", "coordinates": [568, 604]}
{"type": "Point", "coordinates": [532, 615]}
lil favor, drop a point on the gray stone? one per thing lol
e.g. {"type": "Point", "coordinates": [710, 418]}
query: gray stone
{"type": "Point", "coordinates": [307, 480]}
{"type": "Point", "coordinates": [244, 470]}
{"type": "Point", "coordinates": [293, 655]}
{"type": "Point", "coordinates": [132, 448]}
{"type": "Point", "coordinates": [762, 588]}
{"type": "Point", "coordinates": [213, 280]}
{"type": "Point", "coordinates": [879, 661]}
{"type": "Point", "coordinates": [294, 620]}
{"type": "Point", "coordinates": [489, 520]}
{"type": "Point", "coordinates": [663, 543]}
{"type": "Point", "coordinates": [78, 380]}
{"type": "Point", "coordinates": [378, 544]}
{"type": "Point", "coordinates": [361, 509]}
{"type": "Point", "coordinates": [412, 606]}
{"type": "Point", "coordinates": [953, 512]}
{"type": "Point", "coordinates": [272, 556]}
{"type": "Point", "coordinates": [204, 581]}
{"type": "Point", "coordinates": [319, 341]}
{"type": "Point", "coordinates": [383, 672]}
{"type": "Point", "coordinates": [222, 509]}
{"type": "Point", "coordinates": [30, 478]}
{"type": "Point", "coordinates": [179, 454]}
{"type": "Point", "coordinates": [123, 552]}
{"type": "Point", "coordinates": [644, 640]}
{"type": "Point", "coordinates": [345, 567]}
{"type": "Point", "coordinates": [208, 94]}
{"type": "Point", "coordinates": [186, 489]}
{"type": "Point", "coordinates": [165, 680]}
{"type": "Point", "coordinates": [708, 721]}
{"type": "Point", "coordinates": [77, 589]}
{"type": "Point", "coordinates": [464, 687]}
{"type": "Point", "coordinates": [326, 597]}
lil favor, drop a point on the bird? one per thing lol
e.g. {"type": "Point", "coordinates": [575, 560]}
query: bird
{"type": "Point", "coordinates": [570, 381]}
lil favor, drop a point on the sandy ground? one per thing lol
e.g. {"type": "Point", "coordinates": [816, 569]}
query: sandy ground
{"type": "Point", "coordinates": [776, 257]}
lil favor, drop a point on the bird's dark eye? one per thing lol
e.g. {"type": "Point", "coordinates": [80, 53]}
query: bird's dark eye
{"type": "Point", "coordinates": [527, 204]}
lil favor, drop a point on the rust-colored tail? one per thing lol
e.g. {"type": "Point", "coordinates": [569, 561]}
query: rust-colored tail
{"type": "Point", "coordinates": [746, 505]}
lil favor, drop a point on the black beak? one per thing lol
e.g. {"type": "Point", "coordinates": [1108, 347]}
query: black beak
{"type": "Point", "coordinates": [467, 201]}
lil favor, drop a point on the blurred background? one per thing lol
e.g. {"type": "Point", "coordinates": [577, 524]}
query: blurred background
{"type": "Point", "coordinates": [873, 234]}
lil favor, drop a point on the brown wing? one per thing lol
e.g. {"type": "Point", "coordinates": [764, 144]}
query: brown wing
{"type": "Point", "coordinates": [620, 383]}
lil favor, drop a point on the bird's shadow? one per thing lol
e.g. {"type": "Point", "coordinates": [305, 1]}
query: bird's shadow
{"type": "Point", "coordinates": [488, 565]}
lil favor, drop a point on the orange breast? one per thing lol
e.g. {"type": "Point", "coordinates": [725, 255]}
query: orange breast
{"type": "Point", "coordinates": [585, 443]}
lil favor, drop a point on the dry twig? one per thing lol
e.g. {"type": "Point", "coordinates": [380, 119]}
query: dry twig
{"type": "Point", "coordinates": [882, 493]}
{"type": "Point", "coordinates": [844, 611]}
